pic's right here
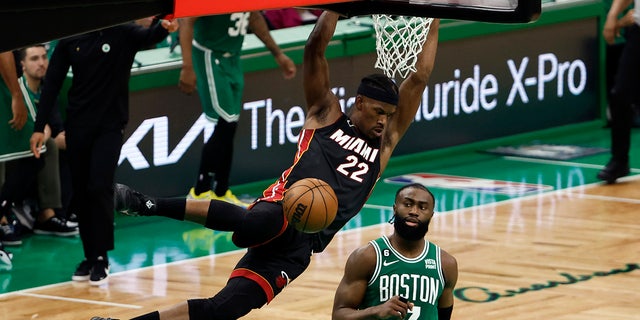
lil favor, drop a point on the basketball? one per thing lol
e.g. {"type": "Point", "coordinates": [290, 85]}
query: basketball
{"type": "Point", "coordinates": [310, 205]}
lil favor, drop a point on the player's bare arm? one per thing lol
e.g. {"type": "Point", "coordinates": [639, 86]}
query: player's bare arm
{"type": "Point", "coordinates": [8, 73]}
{"type": "Point", "coordinates": [450, 271]}
{"type": "Point", "coordinates": [322, 105]}
{"type": "Point", "coordinates": [352, 287]}
{"type": "Point", "coordinates": [351, 290]}
{"type": "Point", "coordinates": [410, 94]}
{"type": "Point", "coordinates": [259, 27]}
{"type": "Point", "coordinates": [187, 82]}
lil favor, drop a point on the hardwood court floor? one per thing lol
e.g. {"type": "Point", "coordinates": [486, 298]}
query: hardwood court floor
{"type": "Point", "coordinates": [552, 243]}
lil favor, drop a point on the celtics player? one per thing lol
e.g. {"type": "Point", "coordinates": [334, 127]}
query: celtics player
{"type": "Point", "coordinates": [402, 276]}
{"type": "Point", "coordinates": [211, 50]}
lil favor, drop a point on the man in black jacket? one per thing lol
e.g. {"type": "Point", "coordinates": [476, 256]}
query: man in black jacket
{"type": "Point", "coordinates": [96, 114]}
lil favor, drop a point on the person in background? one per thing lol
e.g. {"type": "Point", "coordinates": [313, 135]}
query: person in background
{"type": "Point", "coordinates": [96, 115]}
{"type": "Point", "coordinates": [290, 17]}
{"type": "Point", "coordinates": [427, 274]}
{"type": "Point", "coordinates": [13, 117]}
{"type": "Point", "coordinates": [626, 87]}
{"type": "Point", "coordinates": [211, 50]}
{"type": "Point", "coordinates": [34, 62]}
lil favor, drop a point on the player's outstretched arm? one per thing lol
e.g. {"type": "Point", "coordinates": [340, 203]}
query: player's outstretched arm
{"type": "Point", "coordinates": [411, 89]}
{"type": "Point", "coordinates": [317, 88]}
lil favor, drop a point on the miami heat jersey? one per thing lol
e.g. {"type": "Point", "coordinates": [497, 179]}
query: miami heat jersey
{"type": "Point", "coordinates": [343, 157]}
{"type": "Point", "coordinates": [418, 279]}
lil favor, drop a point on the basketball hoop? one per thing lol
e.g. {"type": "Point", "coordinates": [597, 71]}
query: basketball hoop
{"type": "Point", "coordinates": [399, 40]}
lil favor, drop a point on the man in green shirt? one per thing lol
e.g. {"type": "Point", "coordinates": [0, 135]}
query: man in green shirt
{"type": "Point", "coordinates": [211, 50]}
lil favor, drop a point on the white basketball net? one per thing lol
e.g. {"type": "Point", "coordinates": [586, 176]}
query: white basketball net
{"type": "Point", "coordinates": [399, 40]}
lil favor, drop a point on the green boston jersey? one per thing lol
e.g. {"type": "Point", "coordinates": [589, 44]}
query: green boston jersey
{"type": "Point", "coordinates": [15, 144]}
{"type": "Point", "coordinates": [222, 33]}
{"type": "Point", "coordinates": [418, 279]}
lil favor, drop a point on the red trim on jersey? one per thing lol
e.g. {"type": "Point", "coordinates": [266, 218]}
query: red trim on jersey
{"type": "Point", "coordinates": [252, 275]}
{"type": "Point", "coordinates": [275, 192]}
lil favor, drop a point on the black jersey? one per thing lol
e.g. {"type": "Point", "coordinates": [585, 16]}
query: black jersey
{"type": "Point", "coordinates": [343, 157]}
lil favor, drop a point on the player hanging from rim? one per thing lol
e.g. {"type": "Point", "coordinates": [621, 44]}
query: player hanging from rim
{"type": "Point", "coordinates": [278, 253]}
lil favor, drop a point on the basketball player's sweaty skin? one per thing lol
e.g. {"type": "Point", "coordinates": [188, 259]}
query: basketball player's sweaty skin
{"type": "Point", "coordinates": [349, 151]}
{"type": "Point", "coordinates": [402, 275]}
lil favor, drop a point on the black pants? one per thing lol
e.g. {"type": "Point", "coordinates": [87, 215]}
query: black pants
{"type": "Point", "coordinates": [93, 157]}
{"type": "Point", "coordinates": [624, 94]}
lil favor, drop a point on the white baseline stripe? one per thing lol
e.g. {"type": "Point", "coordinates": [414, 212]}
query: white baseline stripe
{"type": "Point", "coordinates": [111, 304]}
{"type": "Point", "coordinates": [550, 193]}
{"type": "Point", "coordinates": [607, 198]}
{"type": "Point", "coordinates": [27, 292]}
{"type": "Point", "coordinates": [561, 163]}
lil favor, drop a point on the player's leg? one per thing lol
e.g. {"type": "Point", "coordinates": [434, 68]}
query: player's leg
{"type": "Point", "coordinates": [258, 278]}
{"type": "Point", "coordinates": [228, 107]}
{"type": "Point", "coordinates": [236, 299]}
{"type": "Point", "coordinates": [265, 222]}
{"type": "Point", "coordinates": [203, 63]}
{"type": "Point", "coordinates": [220, 84]}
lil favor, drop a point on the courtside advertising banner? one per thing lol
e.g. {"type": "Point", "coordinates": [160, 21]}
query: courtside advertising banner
{"type": "Point", "coordinates": [483, 87]}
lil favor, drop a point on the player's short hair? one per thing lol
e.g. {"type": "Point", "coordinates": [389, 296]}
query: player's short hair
{"type": "Point", "coordinates": [22, 52]}
{"type": "Point", "coordinates": [417, 186]}
{"type": "Point", "coordinates": [379, 87]}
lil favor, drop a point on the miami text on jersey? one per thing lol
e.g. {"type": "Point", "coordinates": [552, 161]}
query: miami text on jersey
{"type": "Point", "coordinates": [355, 144]}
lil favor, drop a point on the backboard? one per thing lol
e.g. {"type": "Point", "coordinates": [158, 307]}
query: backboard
{"type": "Point", "coordinates": [503, 11]}
{"type": "Point", "coordinates": [32, 21]}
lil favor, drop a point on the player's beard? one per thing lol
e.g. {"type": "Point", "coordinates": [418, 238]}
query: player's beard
{"type": "Point", "coordinates": [410, 233]}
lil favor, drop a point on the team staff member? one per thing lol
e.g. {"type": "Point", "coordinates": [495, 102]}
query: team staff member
{"type": "Point", "coordinates": [367, 289]}
{"type": "Point", "coordinates": [97, 112]}
{"type": "Point", "coordinates": [211, 50]}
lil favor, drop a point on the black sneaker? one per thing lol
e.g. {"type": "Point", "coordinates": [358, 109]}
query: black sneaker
{"type": "Point", "coordinates": [55, 226]}
{"type": "Point", "coordinates": [101, 318]}
{"type": "Point", "coordinates": [9, 234]}
{"type": "Point", "coordinates": [99, 272]}
{"type": "Point", "coordinates": [133, 203]}
{"type": "Point", "coordinates": [72, 220]}
{"type": "Point", "coordinates": [613, 170]}
{"type": "Point", "coordinates": [83, 271]}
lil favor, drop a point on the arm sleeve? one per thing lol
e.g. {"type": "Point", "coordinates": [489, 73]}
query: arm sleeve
{"type": "Point", "coordinates": [445, 313]}
{"type": "Point", "coordinates": [55, 121]}
{"type": "Point", "coordinates": [142, 37]}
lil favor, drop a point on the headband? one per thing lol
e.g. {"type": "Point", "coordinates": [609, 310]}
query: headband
{"type": "Point", "coordinates": [374, 93]}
